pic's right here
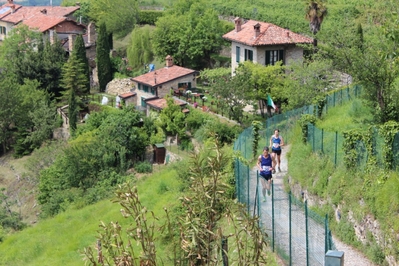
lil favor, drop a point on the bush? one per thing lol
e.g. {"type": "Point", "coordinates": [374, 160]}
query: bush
{"type": "Point", "coordinates": [149, 16]}
{"type": "Point", "coordinates": [143, 167]}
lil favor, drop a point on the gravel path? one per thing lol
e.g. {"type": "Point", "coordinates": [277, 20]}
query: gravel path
{"type": "Point", "coordinates": [351, 255]}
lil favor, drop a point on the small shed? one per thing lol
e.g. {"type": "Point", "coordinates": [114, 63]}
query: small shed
{"type": "Point", "coordinates": [159, 153]}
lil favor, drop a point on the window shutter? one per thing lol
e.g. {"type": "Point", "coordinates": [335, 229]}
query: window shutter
{"type": "Point", "coordinates": [267, 58]}
{"type": "Point", "coordinates": [237, 54]}
{"type": "Point", "coordinates": [281, 56]}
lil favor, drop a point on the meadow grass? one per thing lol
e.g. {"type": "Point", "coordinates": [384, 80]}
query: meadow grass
{"type": "Point", "coordinates": [62, 239]}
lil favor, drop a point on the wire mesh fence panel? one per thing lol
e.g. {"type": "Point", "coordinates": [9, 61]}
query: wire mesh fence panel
{"type": "Point", "coordinates": [298, 232]}
{"type": "Point", "coordinates": [316, 238]}
{"type": "Point", "coordinates": [361, 158]}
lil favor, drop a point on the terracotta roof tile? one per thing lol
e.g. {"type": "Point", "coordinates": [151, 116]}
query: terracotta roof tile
{"type": "Point", "coordinates": [163, 75]}
{"type": "Point", "coordinates": [161, 103]}
{"type": "Point", "coordinates": [23, 13]}
{"type": "Point", "coordinates": [269, 34]}
{"type": "Point", "coordinates": [43, 22]}
{"type": "Point", "coordinates": [127, 95]}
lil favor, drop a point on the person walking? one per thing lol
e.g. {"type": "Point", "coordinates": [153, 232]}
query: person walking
{"type": "Point", "coordinates": [265, 166]}
{"type": "Point", "coordinates": [276, 142]}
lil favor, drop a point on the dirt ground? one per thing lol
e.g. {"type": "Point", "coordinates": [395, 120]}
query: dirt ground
{"type": "Point", "coordinates": [20, 188]}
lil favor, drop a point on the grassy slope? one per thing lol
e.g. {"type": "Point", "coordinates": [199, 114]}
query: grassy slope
{"type": "Point", "coordinates": [362, 193]}
{"type": "Point", "coordinates": [61, 240]}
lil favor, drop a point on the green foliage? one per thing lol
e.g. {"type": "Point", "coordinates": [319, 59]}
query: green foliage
{"type": "Point", "coordinates": [149, 17]}
{"type": "Point", "coordinates": [352, 137]}
{"type": "Point", "coordinates": [103, 58]}
{"type": "Point", "coordinates": [303, 123]}
{"type": "Point", "coordinates": [8, 219]}
{"type": "Point", "coordinates": [320, 102]}
{"type": "Point", "coordinates": [172, 118]}
{"type": "Point", "coordinates": [79, 50]}
{"type": "Point", "coordinates": [72, 111]}
{"type": "Point", "coordinates": [389, 131]}
{"type": "Point", "coordinates": [118, 16]}
{"type": "Point", "coordinates": [143, 167]}
{"type": "Point", "coordinates": [91, 158]}
{"type": "Point", "coordinates": [256, 126]}
{"type": "Point", "coordinates": [139, 51]}
{"type": "Point", "coordinates": [191, 44]}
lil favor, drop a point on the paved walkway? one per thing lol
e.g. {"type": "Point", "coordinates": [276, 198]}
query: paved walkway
{"type": "Point", "coordinates": [281, 223]}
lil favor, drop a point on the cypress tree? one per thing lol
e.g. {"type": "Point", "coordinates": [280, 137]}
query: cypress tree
{"type": "Point", "coordinates": [80, 51]}
{"type": "Point", "coordinates": [72, 111]}
{"type": "Point", "coordinates": [104, 67]}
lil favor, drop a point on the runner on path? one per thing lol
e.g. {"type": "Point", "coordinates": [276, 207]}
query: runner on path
{"type": "Point", "coordinates": [266, 166]}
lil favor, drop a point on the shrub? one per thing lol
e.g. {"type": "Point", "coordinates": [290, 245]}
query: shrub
{"type": "Point", "coordinates": [143, 167]}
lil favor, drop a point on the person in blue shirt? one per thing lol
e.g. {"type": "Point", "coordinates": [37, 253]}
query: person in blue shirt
{"type": "Point", "coordinates": [265, 166]}
{"type": "Point", "coordinates": [276, 142]}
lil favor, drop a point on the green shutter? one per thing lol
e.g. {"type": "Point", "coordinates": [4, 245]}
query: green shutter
{"type": "Point", "coordinates": [267, 62]}
{"type": "Point", "coordinates": [281, 56]}
{"type": "Point", "coordinates": [237, 54]}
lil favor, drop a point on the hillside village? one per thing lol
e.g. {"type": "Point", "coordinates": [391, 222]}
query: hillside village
{"type": "Point", "coordinates": [85, 122]}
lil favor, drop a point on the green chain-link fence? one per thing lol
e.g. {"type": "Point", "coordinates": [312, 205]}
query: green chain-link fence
{"type": "Point", "coordinates": [298, 235]}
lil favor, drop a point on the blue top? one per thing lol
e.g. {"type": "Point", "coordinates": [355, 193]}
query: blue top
{"type": "Point", "coordinates": [266, 164]}
{"type": "Point", "coordinates": [276, 143]}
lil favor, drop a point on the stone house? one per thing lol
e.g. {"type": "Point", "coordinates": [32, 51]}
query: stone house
{"type": "Point", "coordinates": [51, 21]}
{"type": "Point", "coordinates": [161, 82]}
{"type": "Point", "coordinates": [264, 43]}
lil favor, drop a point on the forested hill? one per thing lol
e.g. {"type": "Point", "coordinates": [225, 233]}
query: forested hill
{"type": "Point", "coordinates": [35, 2]}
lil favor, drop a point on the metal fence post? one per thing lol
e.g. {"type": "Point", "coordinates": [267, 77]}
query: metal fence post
{"type": "Point", "coordinates": [258, 194]}
{"type": "Point", "coordinates": [248, 188]}
{"type": "Point", "coordinates": [326, 235]}
{"type": "Point", "coordinates": [313, 138]}
{"type": "Point", "coordinates": [307, 232]}
{"type": "Point", "coordinates": [238, 182]}
{"type": "Point", "coordinates": [322, 138]}
{"type": "Point", "coordinates": [334, 99]}
{"type": "Point", "coordinates": [336, 147]}
{"type": "Point", "coordinates": [290, 228]}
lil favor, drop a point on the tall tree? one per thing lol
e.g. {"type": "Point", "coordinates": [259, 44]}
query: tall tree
{"type": "Point", "coordinates": [72, 112]}
{"type": "Point", "coordinates": [190, 43]}
{"type": "Point", "coordinates": [79, 50]}
{"type": "Point", "coordinates": [53, 59]}
{"type": "Point", "coordinates": [20, 57]}
{"type": "Point", "coordinates": [316, 11]}
{"type": "Point", "coordinates": [104, 67]}
{"type": "Point", "coordinates": [139, 51]}
{"type": "Point", "coordinates": [10, 100]}
{"type": "Point", "coordinates": [373, 64]}
{"type": "Point", "coordinates": [36, 120]}
{"type": "Point", "coordinates": [119, 16]}
{"type": "Point", "coordinates": [232, 91]}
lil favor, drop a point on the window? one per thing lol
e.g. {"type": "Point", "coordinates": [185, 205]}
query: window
{"type": "Point", "coordinates": [3, 30]}
{"type": "Point", "coordinates": [145, 88]}
{"type": "Point", "coordinates": [143, 104]}
{"type": "Point", "coordinates": [153, 90]}
{"type": "Point", "coordinates": [272, 57]}
{"type": "Point", "coordinates": [249, 55]}
{"type": "Point", "coordinates": [237, 54]}
{"type": "Point", "coordinates": [139, 86]}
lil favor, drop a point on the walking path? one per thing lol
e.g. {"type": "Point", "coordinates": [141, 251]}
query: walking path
{"type": "Point", "coordinates": [316, 247]}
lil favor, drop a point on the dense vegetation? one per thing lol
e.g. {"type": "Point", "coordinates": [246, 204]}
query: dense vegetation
{"type": "Point", "coordinates": [112, 141]}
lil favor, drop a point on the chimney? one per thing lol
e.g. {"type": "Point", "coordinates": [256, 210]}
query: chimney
{"type": "Point", "coordinates": [169, 61]}
{"type": "Point", "coordinates": [10, 1]}
{"type": "Point", "coordinates": [44, 11]}
{"type": "Point", "coordinates": [71, 41]}
{"type": "Point", "coordinates": [257, 30]}
{"type": "Point", "coordinates": [12, 8]}
{"type": "Point", "coordinates": [155, 77]}
{"type": "Point", "coordinates": [53, 36]}
{"type": "Point", "coordinates": [237, 22]}
{"type": "Point", "coordinates": [91, 33]}
{"type": "Point", "coordinates": [288, 34]}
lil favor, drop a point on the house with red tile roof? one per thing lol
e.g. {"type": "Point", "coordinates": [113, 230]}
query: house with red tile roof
{"type": "Point", "coordinates": [264, 43]}
{"type": "Point", "coordinates": [53, 21]}
{"type": "Point", "coordinates": [161, 82]}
